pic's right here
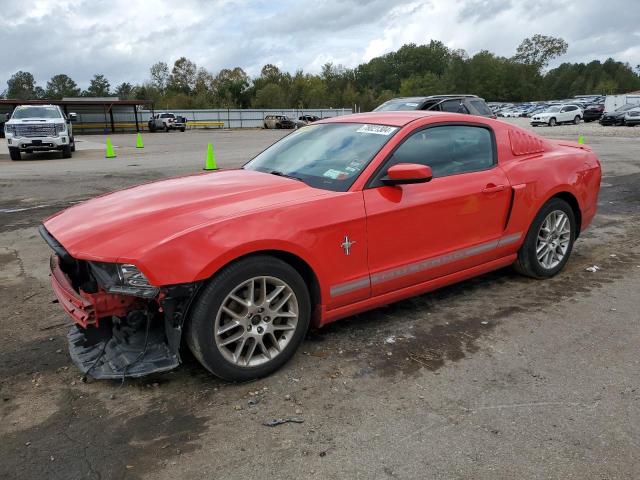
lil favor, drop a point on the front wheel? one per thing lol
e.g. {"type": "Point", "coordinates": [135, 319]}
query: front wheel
{"type": "Point", "coordinates": [66, 151]}
{"type": "Point", "coordinates": [14, 153]}
{"type": "Point", "coordinates": [552, 122]}
{"type": "Point", "coordinates": [549, 241]}
{"type": "Point", "coordinates": [249, 319]}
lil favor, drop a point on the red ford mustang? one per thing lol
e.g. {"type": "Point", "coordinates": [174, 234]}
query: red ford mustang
{"type": "Point", "coordinates": [339, 217]}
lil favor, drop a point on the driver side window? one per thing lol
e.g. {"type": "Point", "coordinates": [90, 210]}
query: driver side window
{"type": "Point", "coordinates": [448, 149]}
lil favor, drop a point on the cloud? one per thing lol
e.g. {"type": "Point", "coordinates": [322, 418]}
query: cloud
{"type": "Point", "coordinates": [122, 39]}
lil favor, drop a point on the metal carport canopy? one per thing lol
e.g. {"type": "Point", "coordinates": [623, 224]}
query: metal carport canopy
{"type": "Point", "coordinates": [107, 103]}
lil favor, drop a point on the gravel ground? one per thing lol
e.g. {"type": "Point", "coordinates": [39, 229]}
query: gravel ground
{"type": "Point", "coordinates": [499, 377]}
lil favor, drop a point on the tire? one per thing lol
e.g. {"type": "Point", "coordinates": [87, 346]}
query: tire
{"type": "Point", "coordinates": [166, 128]}
{"type": "Point", "coordinates": [576, 120]}
{"type": "Point", "coordinates": [208, 315]}
{"type": "Point", "coordinates": [552, 122]}
{"type": "Point", "coordinates": [152, 128]}
{"type": "Point", "coordinates": [14, 153]}
{"type": "Point", "coordinates": [66, 151]}
{"type": "Point", "coordinates": [73, 144]}
{"type": "Point", "coordinates": [182, 129]}
{"type": "Point", "coordinates": [528, 262]}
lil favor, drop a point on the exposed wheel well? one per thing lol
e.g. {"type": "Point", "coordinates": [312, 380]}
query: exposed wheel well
{"type": "Point", "coordinates": [302, 267]}
{"type": "Point", "coordinates": [575, 206]}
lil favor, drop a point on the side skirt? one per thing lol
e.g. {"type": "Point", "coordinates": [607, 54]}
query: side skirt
{"type": "Point", "coordinates": [328, 316]}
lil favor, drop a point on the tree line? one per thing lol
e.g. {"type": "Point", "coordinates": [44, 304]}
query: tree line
{"type": "Point", "coordinates": [413, 69]}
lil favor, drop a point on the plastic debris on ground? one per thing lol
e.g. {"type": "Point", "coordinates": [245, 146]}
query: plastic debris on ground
{"type": "Point", "coordinates": [280, 421]}
{"type": "Point", "coordinates": [592, 269]}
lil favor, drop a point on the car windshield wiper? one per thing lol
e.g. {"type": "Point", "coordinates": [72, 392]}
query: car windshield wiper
{"type": "Point", "coordinates": [282, 174]}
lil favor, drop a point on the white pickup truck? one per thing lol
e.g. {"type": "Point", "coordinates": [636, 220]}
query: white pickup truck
{"type": "Point", "coordinates": [166, 122]}
{"type": "Point", "coordinates": [39, 128]}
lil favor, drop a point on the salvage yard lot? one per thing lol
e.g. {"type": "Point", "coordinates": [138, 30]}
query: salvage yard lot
{"type": "Point", "coordinates": [497, 377]}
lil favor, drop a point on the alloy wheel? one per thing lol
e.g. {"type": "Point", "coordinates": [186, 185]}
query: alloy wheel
{"type": "Point", "coordinates": [256, 321]}
{"type": "Point", "coordinates": [553, 239]}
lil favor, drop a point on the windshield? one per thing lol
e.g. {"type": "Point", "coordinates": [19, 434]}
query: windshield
{"type": "Point", "coordinates": [36, 112]}
{"type": "Point", "coordinates": [626, 107]}
{"type": "Point", "coordinates": [396, 105]}
{"type": "Point", "coordinates": [328, 156]}
{"type": "Point", "coordinates": [553, 109]}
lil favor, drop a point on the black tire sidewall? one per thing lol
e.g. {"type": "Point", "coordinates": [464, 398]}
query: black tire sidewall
{"type": "Point", "coordinates": [200, 325]}
{"type": "Point", "coordinates": [14, 154]}
{"type": "Point", "coordinates": [527, 259]}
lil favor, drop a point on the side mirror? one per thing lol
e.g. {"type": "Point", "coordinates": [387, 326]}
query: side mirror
{"type": "Point", "coordinates": [406, 173]}
{"type": "Point", "coordinates": [72, 117]}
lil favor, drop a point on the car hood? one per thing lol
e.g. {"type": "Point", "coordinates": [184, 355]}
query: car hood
{"type": "Point", "coordinates": [20, 121]}
{"type": "Point", "coordinates": [133, 221]}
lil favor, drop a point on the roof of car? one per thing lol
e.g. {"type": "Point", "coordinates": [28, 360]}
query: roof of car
{"type": "Point", "coordinates": [395, 119]}
{"type": "Point", "coordinates": [428, 97]}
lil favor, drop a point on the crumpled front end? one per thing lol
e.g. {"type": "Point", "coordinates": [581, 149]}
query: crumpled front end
{"type": "Point", "coordinates": [117, 335]}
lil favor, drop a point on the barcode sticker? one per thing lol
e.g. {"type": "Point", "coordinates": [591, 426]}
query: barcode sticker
{"type": "Point", "coordinates": [377, 129]}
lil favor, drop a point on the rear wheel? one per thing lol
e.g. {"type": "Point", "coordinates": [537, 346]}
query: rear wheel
{"type": "Point", "coordinates": [576, 120]}
{"type": "Point", "coordinates": [552, 122]}
{"type": "Point", "coordinates": [249, 319]}
{"type": "Point", "coordinates": [549, 241]}
{"type": "Point", "coordinates": [14, 153]}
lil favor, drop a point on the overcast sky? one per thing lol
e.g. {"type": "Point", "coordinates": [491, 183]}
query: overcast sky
{"type": "Point", "coordinates": [123, 38]}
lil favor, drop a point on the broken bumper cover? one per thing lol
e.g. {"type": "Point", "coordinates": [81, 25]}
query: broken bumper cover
{"type": "Point", "coordinates": [86, 308]}
{"type": "Point", "coordinates": [120, 349]}
{"type": "Point", "coordinates": [117, 336]}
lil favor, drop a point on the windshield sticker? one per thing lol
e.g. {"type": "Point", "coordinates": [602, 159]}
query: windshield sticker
{"type": "Point", "coordinates": [377, 129]}
{"type": "Point", "coordinates": [335, 174]}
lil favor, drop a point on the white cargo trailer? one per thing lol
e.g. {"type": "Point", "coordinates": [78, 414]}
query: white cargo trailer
{"type": "Point", "coordinates": [613, 102]}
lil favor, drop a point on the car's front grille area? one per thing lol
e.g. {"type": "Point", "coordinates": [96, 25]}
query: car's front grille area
{"type": "Point", "coordinates": [44, 130]}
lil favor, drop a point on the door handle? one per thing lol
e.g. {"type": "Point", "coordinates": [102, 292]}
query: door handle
{"type": "Point", "coordinates": [491, 188]}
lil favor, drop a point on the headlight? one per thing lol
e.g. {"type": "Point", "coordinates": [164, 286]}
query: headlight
{"type": "Point", "coordinates": [125, 279]}
{"type": "Point", "coordinates": [10, 129]}
{"type": "Point", "coordinates": [60, 127]}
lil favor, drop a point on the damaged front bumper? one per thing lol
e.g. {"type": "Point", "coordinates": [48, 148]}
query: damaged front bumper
{"type": "Point", "coordinates": [116, 335]}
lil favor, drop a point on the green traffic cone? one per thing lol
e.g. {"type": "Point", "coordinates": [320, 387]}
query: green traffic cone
{"type": "Point", "coordinates": [210, 163]}
{"type": "Point", "coordinates": [139, 143]}
{"type": "Point", "coordinates": [110, 152]}
{"type": "Point", "coordinates": [581, 140]}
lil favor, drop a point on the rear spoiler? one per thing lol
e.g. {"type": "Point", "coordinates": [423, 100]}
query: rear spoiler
{"type": "Point", "coordinates": [567, 143]}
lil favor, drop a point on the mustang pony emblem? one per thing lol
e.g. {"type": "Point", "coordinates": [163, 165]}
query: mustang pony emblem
{"type": "Point", "coordinates": [346, 245]}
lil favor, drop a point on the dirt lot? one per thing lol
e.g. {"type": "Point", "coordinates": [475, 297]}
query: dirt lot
{"type": "Point", "coordinates": [547, 387]}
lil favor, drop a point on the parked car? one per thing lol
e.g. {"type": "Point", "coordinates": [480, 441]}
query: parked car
{"type": "Point", "coordinates": [557, 114]}
{"type": "Point", "coordinates": [593, 112]}
{"type": "Point", "coordinates": [617, 117]}
{"type": "Point", "coordinates": [39, 128]}
{"type": "Point", "coordinates": [632, 117]}
{"type": "Point", "coordinates": [167, 122]}
{"type": "Point", "coordinates": [307, 119]}
{"type": "Point", "coordinates": [279, 121]}
{"type": "Point", "coordinates": [469, 104]}
{"type": "Point", "coordinates": [357, 212]}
